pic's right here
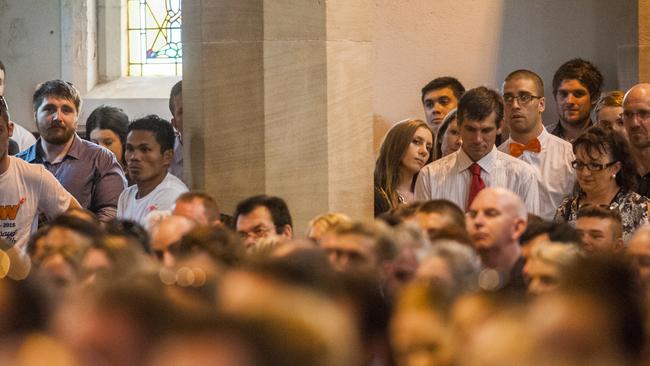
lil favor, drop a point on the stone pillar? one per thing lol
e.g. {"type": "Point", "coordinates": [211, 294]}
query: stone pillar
{"type": "Point", "coordinates": [78, 39]}
{"type": "Point", "coordinates": [277, 100]}
{"type": "Point", "coordinates": [644, 41]}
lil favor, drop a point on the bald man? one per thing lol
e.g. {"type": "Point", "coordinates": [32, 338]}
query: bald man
{"type": "Point", "coordinates": [636, 119]}
{"type": "Point", "coordinates": [496, 219]}
{"type": "Point", "coordinates": [639, 250]}
{"type": "Point", "coordinates": [167, 234]}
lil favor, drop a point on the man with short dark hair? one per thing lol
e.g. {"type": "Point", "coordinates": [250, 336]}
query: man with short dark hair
{"type": "Point", "coordinates": [198, 206]}
{"type": "Point", "coordinates": [432, 216]}
{"type": "Point", "coordinates": [21, 136]}
{"type": "Point", "coordinates": [459, 177]}
{"type": "Point", "coordinates": [176, 109]}
{"type": "Point", "coordinates": [89, 172]}
{"type": "Point", "coordinates": [440, 96]}
{"type": "Point", "coordinates": [263, 217]}
{"type": "Point", "coordinates": [523, 95]}
{"type": "Point", "coordinates": [27, 190]}
{"type": "Point", "coordinates": [576, 88]}
{"type": "Point", "coordinates": [600, 229]}
{"type": "Point", "coordinates": [149, 152]}
{"type": "Point", "coordinates": [636, 119]}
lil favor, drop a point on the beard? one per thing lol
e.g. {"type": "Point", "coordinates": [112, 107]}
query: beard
{"type": "Point", "coordinates": [57, 135]}
{"type": "Point", "coordinates": [639, 138]}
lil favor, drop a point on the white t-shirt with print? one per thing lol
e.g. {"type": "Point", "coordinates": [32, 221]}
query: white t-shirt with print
{"type": "Point", "coordinates": [26, 191]}
{"type": "Point", "coordinates": [162, 198]}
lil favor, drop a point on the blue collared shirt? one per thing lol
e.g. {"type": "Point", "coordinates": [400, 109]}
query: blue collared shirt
{"type": "Point", "coordinates": [89, 172]}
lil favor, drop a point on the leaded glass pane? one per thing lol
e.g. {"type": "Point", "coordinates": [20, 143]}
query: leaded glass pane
{"type": "Point", "coordinates": [155, 46]}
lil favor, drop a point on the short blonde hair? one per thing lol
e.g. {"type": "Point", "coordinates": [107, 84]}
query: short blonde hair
{"type": "Point", "coordinates": [610, 99]}
{"type": "Point", "coordinates": [557, 254]}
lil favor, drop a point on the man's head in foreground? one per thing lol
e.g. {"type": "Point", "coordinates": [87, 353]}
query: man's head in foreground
{"type": "Point", "coordinates": [261, 217]}
{"type": "Point", "coordinates": [496, 220]}
{"type": "Point", "coordinates": [600, 229]}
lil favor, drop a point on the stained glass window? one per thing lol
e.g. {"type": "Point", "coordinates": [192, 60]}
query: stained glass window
{"type": "Point", "coordinates": [155, 46]}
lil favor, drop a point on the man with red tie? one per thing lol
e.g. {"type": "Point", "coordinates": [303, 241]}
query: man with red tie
{"type": "Point", "coordinates": [459, 177]}
{"type": "Point", "coordinates": [551, 156]}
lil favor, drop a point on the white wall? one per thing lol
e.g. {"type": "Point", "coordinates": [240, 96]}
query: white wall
{"type": "Point", "coordinates": [481, 41]}
{"type": "Point", "coordinates": [478, 41]}
{"type": "Point", "coordinates": [35, 47]}
{"type": "Point", "coordinates": [30, 48]}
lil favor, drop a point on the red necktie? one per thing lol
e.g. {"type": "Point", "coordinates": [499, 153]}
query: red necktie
{"type": "Point", "coordinates": [477, 183]}
{"type": "Point", "coordinates": [516, 149]}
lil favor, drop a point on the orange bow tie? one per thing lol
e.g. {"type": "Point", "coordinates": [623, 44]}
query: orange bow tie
{"type": "Point", "coordinates": [517, 149]}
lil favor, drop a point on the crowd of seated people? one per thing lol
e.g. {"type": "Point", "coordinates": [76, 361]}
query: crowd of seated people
{"type": "Point", "coordinates": [497, 239]}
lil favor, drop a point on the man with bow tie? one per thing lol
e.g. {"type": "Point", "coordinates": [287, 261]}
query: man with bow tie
{"type": "Point", "coordinates": [460, 176]}
{"type": "Point", "coordinates": [551, 156]}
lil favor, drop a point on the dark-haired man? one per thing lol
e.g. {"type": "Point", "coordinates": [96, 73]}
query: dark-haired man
{"type": "Point", "coordinates": [459, 177]}
{"type": "Point", "coordinates": [576, 88]}
{"type": "Point", "coordinates": [263, 217]}
{"type": "Point", "coordinates": [89, 172]}
{"type": "Point", "coordinates": [149, 152]}
{"type": "Point", "coordinates": [523, 95]}
{"type": "Point", "coordinates": [600, 229]}
{"type": "Point", "coordinates": [440, 96]}
{"type": "Point", "coordinates": [176, 109]}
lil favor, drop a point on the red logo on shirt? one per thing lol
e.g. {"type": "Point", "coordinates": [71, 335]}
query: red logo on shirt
{"type": "Point", "coordinates": [9, 212]}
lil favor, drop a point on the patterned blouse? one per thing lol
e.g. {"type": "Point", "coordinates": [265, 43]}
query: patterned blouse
{"type": "Point", "coordinates": [632, 207]}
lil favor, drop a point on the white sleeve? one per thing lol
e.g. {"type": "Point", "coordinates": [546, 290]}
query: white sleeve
{"type": "Point", "coordinates": [531, 195]}
{"type": "Point", "coordinates": [53, 199]}
{"type": "Point", "coordinates": [423, 186]}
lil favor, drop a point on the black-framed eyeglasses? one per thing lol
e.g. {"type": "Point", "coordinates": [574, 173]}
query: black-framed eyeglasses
{"type": "Point", "coordinates": [578, 165]}
{"type": "Point", "coordinates": [522, 98]}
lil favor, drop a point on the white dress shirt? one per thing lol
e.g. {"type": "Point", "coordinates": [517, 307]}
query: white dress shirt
{"type": "Point", "coordinates": [555, 174]}
{"type": "Point", "coordinates": [449, 178]}
{"type": "Point", "coordinates": [23, 138]}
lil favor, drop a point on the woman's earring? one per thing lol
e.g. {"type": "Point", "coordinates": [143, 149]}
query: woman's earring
{"type": "Point", "coordinates": [614, 176]}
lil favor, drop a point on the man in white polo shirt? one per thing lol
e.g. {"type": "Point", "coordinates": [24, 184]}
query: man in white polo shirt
{"type": "Point", "coordinates": [149, 152]}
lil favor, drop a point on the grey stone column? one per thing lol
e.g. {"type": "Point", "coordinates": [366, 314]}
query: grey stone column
{"type": "Point", "coordinates": [277, 100]}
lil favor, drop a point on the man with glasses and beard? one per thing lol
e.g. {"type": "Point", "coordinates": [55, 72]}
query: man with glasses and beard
{"type": "Point", "coordinates": [88, 171]}
{"type": "Point", "coordinates": [636, 119]}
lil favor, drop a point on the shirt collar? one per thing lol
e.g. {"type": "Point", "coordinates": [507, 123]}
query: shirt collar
{"type": "Point", "coordinates": [542, 137]}
{"type": "Point", "coordinates": [76, 149]}
{"type": "Point", "coordinates": [35, 152]}
{"type": "Point", "coordinates": [486, 163]}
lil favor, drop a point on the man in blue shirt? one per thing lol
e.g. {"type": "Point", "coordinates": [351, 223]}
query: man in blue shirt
{"type": "Point", "coordinates": [88, 171]}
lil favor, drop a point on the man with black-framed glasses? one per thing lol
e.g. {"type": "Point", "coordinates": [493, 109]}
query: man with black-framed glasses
{"type": "Point", "coordinates": [636, 119]}
{"type": "Point", "coordinates": [524, 103]}
{"type": "Point", "coordinates": [27, 190]}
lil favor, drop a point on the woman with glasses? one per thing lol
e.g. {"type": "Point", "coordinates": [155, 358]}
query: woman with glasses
{"type": "Point", "coordinates": [407, 147]}
{"type": "Point", "coordinates": [606, 177]}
